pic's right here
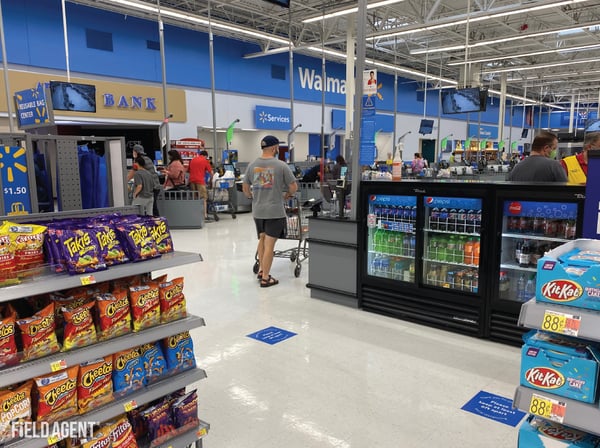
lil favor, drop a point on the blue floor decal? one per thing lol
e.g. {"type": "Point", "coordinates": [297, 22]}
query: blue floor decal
{"type": "Point", "coordinates": [271, 335]}
{"type": "Point", "coordinates": [495, 408]}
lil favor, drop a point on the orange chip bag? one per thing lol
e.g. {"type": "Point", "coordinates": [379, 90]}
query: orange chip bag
{"type": "Point", "coordinates": [100, 440]}
{"type": "Point", "coordinates": [172, 300]}
{"type": "Point", "coordinates": [8, 274]}
{"type": "Point", "coordinates": [56, 395]}
{"type": "Point", "coordinates": [121, 434]}
{"type": "Point", "coordinates": [79, 327]}
{"type": "Point", "coordinates": [27, 243]}
{"type": "Point", "coordinates": [8, 346]}
{"type": "Point", "coordinates": [94, 385]}
{"type": "Point", "coordinates": [114, 317]}
{"type": "Point", "coordinates": [145, 306]}
{"type": "Point", "coordinates": [37, 334]}
{"type": "Point", "coordinates": [15, 406]}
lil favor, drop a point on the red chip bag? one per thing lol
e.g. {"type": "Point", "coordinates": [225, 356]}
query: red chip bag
{"type": "Point", "coordinates": [79, 327]}
{"type": "Point", "coordinates": [37, 334]}
{"type": "Point", "coordinates": [94, 383]}
{"type": "Point", "coordinates": [172, 300]}
{"type": "Point", "coordinates": [145, 306]}
{"type": "Point", "coordinates": [121, 434]}
{"type": "Point", "coordinates": [15, 406]}
{"type": "Point", "coordinates": [8, 346]}
{"type": "Point", "coordinates": [114, 317]}
{"type": "Point", "coordinates": [8, 274]}
{"type": "Point", "coordinates": [56, 395]}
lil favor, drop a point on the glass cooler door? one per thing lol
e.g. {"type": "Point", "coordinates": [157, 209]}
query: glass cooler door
{"type": "Point", "coordinates": [529, 229]}
{"type": "Point", "coordinates": [452, 243]}
{"type": "Point", "coordinates": [391, 237]}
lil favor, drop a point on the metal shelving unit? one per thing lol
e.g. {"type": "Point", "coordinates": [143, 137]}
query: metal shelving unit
{"type": "Point", "coordinates": [530, 236]}
{"type": "Point", "coordinates": [194, 435]}
{"type": "Point", "coordinates": [129, 402]}
{"type": "Point", "coordinates": [50, 282]}
{"type": "Point", "coordinates": [583, 416]}
{"type": "Point", "coordinates": [516, 267]}
{"type": "Point", "coordinates": [48, 364]}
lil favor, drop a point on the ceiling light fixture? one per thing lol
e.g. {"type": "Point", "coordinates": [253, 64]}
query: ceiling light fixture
{"type": "Point", "coordinates": [524, 55]}
{"type": "Point", "coordinates": [540, 66]}
{"type": "Point", "coordinates": [475, 18]}
{"type": "Point", "coordinates": [344, 12]}
{"type": "Point", "coordinates": [498, 41]}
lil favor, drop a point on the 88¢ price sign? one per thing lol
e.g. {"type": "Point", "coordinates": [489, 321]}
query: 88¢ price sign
{"type": "Point", "coordinates": [561, 323]}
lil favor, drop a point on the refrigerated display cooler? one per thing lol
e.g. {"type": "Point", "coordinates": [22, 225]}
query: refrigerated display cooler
{"type": "Point", "coordinates": [460, 255]}
{"type": "Point", "coordinates": [532, 219]}
{"type": "Point", "coordinates": [425, 252]}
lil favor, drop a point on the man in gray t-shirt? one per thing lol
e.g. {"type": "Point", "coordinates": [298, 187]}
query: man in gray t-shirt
{"type": "Point", "coordinates": [268, 181]}
{"type": "Point", "coordinates": [538, 167]}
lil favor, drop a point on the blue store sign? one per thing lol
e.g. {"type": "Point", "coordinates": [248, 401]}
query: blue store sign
{"type": "Point", "coordinates": [32, 109]}
{"type": "Point", "coordinates": [482, 131]}
{"type": "Point", "coordinates": [15, 182]}
{"type": "Point", "coordinates": [277, 118]}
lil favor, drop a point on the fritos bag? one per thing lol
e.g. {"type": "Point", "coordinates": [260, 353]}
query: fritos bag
{"type": "Point", "coordinates": [121, 434]}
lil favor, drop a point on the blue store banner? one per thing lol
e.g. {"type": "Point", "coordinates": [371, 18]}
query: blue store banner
{"type": "Point", "coordinates": [481, 132]}
{"type": "Point", "coordinates": [32, 108]}
{"type": "Point", "coordinates": [15, 182]}
{"type": "Point", "coordinates": [367, 132]}
{"type": "Point", "coordinates": [276, 118]}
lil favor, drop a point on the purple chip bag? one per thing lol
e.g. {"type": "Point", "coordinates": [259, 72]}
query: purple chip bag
{"type": "Point", "coordinates": [158, 420]}
{"type": "Point", "coordinates": [137, 240]}
{"type": "Point", "coordinates": [161, 233]}
{"type": "Point", "coordinates": [80, 251]}
{"type": "Point", "coordinates": [185, 410]}
{"type": "Point", "coordinates": [109, 244]}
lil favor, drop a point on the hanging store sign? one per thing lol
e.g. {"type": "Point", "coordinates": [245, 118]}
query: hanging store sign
{"type": "Point", "coordinates": [277, 118]}
{"type": "Point", "coordinates": [367, 132]}
{"type": "Point", "coordinates": [32, 108]}
{"type": "Point", "coordinates": [482, 131]}
{"type": "Point", "coordinates": [15, 182]}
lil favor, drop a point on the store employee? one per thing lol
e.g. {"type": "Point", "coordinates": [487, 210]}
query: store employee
{"type": "Point", "coordinates": [576, 166]}
{"type": "Point", "coordinates": [538, 167]}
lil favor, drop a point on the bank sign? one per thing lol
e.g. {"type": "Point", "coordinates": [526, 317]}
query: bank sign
{"type": "Point", "coordinates": [276, 118]}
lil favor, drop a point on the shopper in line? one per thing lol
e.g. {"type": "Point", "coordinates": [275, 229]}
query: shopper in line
{"type": "Point", "coordinates": [336, 170]}
{"type": "Point", "coordinates": [418, 164]}
{"type": "Point", "coordinates": [538, 167]}
{"type": "Point", "coordinates": [138, 151]}
{"type": "Point", "coordinates": [175, 171]}
{"type": "Point", "coordinates": [143, 186]}
{"type": "Point", "coordinates": [576, 166]}
{"type": "Point", "coordinates": [266, 181]}
{"type": "Point", "coordinates": [200, 170]}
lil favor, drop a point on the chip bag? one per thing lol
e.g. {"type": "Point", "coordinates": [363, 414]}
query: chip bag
{"type": "Point", "coordinates": [145, 306]}
{"type": "Point", "coordinates": [158, 421]}
{"type": "Point", "coordinates": [27, 244]}
{"type": "Point", "coordinates": [79, 327]}
{"type": "Point", "coordinates": [8, 265]}
{"type": "Point", "coordinates": [56, 395]}
{"type": "Point", "coordinates": [185, 410]}
{"type": "Point", "coordinates": [80, 251]}
{"type": "Point", "coordinates": [155, 364]}
{"type": "Point", "coordinates": [15, 406]}
{"type": "Point", "coordinates": [94, 383]}
{"type": "Point", "coordinates": [159, 228]}
{"type": "Point", "coordinates": [8, 345]}
{"type": "Point", "coordinates": [100, 440]}
{"type": "Point", "coordinates": [110, 247]}
{"type": "Point", "coordinates": [37, 334]}
{"type": "Point", "coordinates": [137, 240]}
{"type": "Point", "coordinates": [121, 434]}
{"type": "Point", "coordinates": [113, 315]}
{"type": "Point", "coordinates": [179, 352]}
{"type": "Point", "coordinates": [172, 300]}
{"type": "Point", "coordinates": [128, 372]}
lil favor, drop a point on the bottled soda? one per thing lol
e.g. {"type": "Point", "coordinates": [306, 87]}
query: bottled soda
{"type": "Point", "coordinates": [468, 252]}
{"type": "Point", "coordinates": [475, 282]}
{"type": "Point", "coordinates": [413, 244]}
{"type": "Point", "coordinates": [525, 224]}
{"type": "Point", "coordinates": [451, 249]}
{"type": "Point", "coordinates": [452, 220]}
{"type": "Point", "coordinates": [538, 225]}
{"type": "Point", "coordinates": [413, 213]}
{"type": "Point", "coordinates": [470, 222]}
{"type": "Point", "coordinates": [570, 230]}
{"type": "Point", "coordinates": [442, 248]}
{"type": "Point", "coordinates": [521, 283]}
{"type": "Point", "coordinates": [434, 218]}
{"type": "Point", "coordinates": [530, 288]}
{"type": "Point", "coordinates": [551, 227]}
{"type": "Point", "coordinates": [512, 224]}
{"type": "Point", "coordinates": [476, 248]}
{"type": "Point", "coordinates": [477, 222]}
{"type": "Point", "coordinates": [461, 221]}
{"type": "Point", "coordinates": [459, 256]}
{"type": "Point", "coordinates": [504, 286]}
{"type": "Point", "coordinates": [524, 256]}
{"type": "Point", "coordinates": [559, 228]}
{"type": "Point", "coordinates": [443, 220]}
{"type": "Point", "coordinates": [431, 277]}
{"type": "Point", "coordinates": [518, 247]}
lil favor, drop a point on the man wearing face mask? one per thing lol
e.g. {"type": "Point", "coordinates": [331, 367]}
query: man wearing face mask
{"type": "Point", "coordinates": [268, 181]}
{"type": "Point", "coordinates": [576, 166]}
{"type": "Point", "coordinates": [538, 167]}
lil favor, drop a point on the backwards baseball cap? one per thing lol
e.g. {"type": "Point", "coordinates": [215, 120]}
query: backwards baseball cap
{"type": "Point", "coordinates": [139, 149]}
{"type": "Point", "coordinates": [269, 141]}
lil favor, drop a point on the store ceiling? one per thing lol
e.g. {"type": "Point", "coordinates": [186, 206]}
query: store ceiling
{"type": "Point", "coordinates": [551, 54]}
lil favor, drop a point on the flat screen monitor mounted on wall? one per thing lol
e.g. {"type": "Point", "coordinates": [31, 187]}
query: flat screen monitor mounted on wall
{"type": "Point", "coordinates": [73, 96]}
{"type": "Point", "coordinates": [524, 133]}
{"type": "Point", "coordinates": [461, 101]}
{"type": "Point", "coordinates": [426, 127]}
{"type": "Point", "coordinates": [483, 97]}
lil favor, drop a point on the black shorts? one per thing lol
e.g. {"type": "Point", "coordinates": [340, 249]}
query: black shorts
{"type": "Point", "coordinates": [275, 228]}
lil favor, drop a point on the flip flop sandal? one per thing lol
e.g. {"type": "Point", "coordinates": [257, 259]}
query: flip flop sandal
{"type": "Point", "coordinates": [259, 276]}
{"type": "Point", "coordinates": [270, 281]}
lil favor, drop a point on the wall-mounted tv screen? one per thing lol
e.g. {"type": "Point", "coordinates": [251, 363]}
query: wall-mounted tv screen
{"type": "Point", "coordinates": [592, 125]}
{"type": "Point", "coordinates": [524, 133]}
{"type": "Point", "coordinates": [483, 97]}
{"type": "Point", "coordinates": [426, 127]}
{"type": "Point", "coordinates": [461, 101]}
{"type": "Point", "coordinates": [73, 96]}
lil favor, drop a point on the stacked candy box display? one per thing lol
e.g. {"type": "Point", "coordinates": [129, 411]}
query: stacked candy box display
{"type": "Point", "coordinates": [536, 432]}
{"type": "Point", "coordinates": [570, 275]}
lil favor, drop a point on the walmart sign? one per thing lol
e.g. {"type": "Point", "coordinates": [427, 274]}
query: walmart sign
{"type": "Point", "coordinates": [277, 118]}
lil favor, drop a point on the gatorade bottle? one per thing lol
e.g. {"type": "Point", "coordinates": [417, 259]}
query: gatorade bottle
{"type": "Point", "coordinates": [397, 163]}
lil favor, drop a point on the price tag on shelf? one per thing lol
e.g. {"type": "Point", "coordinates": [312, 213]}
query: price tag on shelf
{"type": "Point", "coordinates": [58, 365]}
{"type": "Point", "coordinates": [53, 439]}
{"type": "Point", "coordinates": [130, 405]}
{"type": "Point", "coordinates": [547, 408]}
{"type": "Point", "coordinates": [201, 432]}
{"type": "Point", "coordinates": [87, 280]}
{"type": "Point", "coordinates": [562, 323]}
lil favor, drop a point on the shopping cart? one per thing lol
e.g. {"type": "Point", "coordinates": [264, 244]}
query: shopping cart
{"type": "Point", "coordinates": [220, 198]}
{"type": "Point", "coordinates": [297, 229]}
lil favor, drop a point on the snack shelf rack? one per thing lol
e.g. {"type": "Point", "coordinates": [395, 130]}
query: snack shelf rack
{"type": "Point", "coordinates": [573, 413]}
{"type": "Point", "coordinates": [62, 360]}
{"type": "Point", "coordinates": [127, 403]}
{"type": "Point", "coordinates": [187, 438]}
{"type": "Point", "coordinates": [50, 282]}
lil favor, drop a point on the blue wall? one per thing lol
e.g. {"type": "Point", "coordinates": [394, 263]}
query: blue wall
{"type": "Point", "coordinates": [34, 37]}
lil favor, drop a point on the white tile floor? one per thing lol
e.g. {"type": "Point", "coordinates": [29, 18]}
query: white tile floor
{"type": "Point", "coordinates": [349, 379]}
